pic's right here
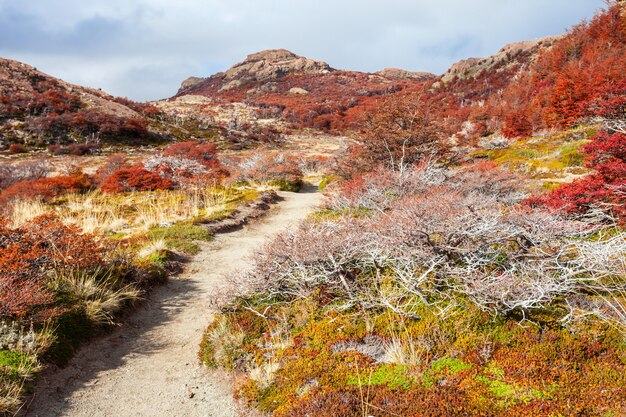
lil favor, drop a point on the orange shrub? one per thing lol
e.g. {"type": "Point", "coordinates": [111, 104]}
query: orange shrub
{"type": "Point", "coordinates": [47, 188]}
{"type": "Point", "coordinates": [28, 253]}
{"type": "Point", "coordinates": [135, 179]}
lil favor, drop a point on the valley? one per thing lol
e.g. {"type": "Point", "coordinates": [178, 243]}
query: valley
{"type": "Point", "coordinates": [286, 238]}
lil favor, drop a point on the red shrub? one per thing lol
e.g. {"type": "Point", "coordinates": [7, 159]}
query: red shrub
{"type": "Point", "coordinates": [516, 124]}
{"type": "Point", "coordinates": [47, 188]}
{"type": "Point", "coordinates": [17, 148]}
{"type": "Point", "coordinates": [135, 179]}
{"type": "Point", "coordinates": [28, 253]}
{"type": "Point", "coordinates": [76, 149]}
{"type": "Point", "coordinates": [580, 76]}
{"type": "Point", "coordinates": [188, 164]}
{"type": "Point", "coordinates": [113, 163]}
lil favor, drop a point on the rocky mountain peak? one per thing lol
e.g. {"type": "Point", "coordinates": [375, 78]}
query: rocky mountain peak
{"type": "Point", "coordinates": [271, 55]}
{"type": "Point", "coordinates": [511, 54]}
{"type": "Point", "coordinates": [273, 64]}
{"type": "Point", "coordinates": [265, 66]}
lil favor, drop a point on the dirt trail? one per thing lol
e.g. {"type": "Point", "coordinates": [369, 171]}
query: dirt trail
{"type": "Point", "coordinates": [149, 366]}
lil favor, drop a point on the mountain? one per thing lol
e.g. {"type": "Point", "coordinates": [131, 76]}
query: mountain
{"type": "Point", "coordinates": [299, 91]}
{"type": "Point", "coordinates": [261, 67]}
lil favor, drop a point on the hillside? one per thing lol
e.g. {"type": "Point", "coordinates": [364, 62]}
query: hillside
{"type": "Point", "coordinates": [38, 110]}
{"type": "Point", "coordinates": [301, 92]}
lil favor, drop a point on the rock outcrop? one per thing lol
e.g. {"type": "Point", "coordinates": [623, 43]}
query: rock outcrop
{"type": "Point", "coordinates": [261, 67]}
{"type": "Point", "coordinates": [190, 82]}
{"type": "Point", "coordinates": [406, 75]}
{"type": "Point", "coordinates": [274, 64]}
{"type": "Point", "coordinates": [511, 54]}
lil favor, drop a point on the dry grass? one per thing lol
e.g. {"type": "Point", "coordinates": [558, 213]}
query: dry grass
{"type": "Point", "coordinates": [95, 291]}
{"type": "Point", "coordinates": [152, 247]}
{"type": "Point", "coordinates": [127, 213]}
{"type": "Point", "coordinates": [264, 374]}
{"type": "Point", "coordinates": [10, 397]}
{"type": "Point", "coordinates": [24, 211]}
{"type": "Point", "coordinates": [401, 351]}
{"type": "Point", "coordinates": [223, 339]}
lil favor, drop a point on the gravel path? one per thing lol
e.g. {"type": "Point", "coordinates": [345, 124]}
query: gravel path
{"type": "Point", "coordinates": [149, 366]}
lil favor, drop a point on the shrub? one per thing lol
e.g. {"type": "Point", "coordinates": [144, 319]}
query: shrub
{"type": "Point", "coordinates": [24, 171]}
{"type": "Point", "coordinates": [399, 133]}
{"type": "Point", "coordinates": [462, 238]}
{"type": "Point", "coordinates": [77, 149]}
{"type": "Point", "coordinates": [188, 164]}
{"type": "Point", "coordinates": [47, 189]}
{"type": "Point", "coordinates": [17, 148]}
{"type": "Point", "coordinates": [135, 179]}
{"type": "Point", "coordinates": [204, 153]}
{"type": "Point", "coordinates": [276, 169]}
{"type": "Point", "coordinates": [28, 253]}
{"type": "Point", "coordinates": [112, 164]}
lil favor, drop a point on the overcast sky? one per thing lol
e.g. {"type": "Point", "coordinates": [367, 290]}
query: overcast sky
{"type": "Point", "coordinates": [143, 49]}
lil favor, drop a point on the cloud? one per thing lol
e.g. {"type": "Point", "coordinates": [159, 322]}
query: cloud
{"type": "Point", "coordinates": [143, 49]}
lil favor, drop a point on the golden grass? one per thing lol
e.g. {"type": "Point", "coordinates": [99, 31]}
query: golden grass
{"type": "Point", "coordinates": [128, 213]}
{"type": "Point", "coordinates": [10, 396]}
{"type": "Point", "coordinates": [95, 290]}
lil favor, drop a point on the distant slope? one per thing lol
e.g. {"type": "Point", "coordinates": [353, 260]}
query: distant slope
{"type": "Point", "coordinates": [38, 110]}
{"type": "Point", "coordinates": [301, 91]}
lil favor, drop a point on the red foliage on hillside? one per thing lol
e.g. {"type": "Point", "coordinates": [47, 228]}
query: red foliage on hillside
{"type": "Point", "coordinates": [581, 76]}
{"type": "Point", "coordinates": [331, 101]}
{"type": "Point", "coordinates": [28, 253]}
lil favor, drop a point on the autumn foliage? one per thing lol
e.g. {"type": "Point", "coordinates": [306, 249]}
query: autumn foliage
{"type": "Point", "coordinates": [605, 189]}
{"type": "Point", "coordinates": [47, 188]}
{"type": "Point", "coordinates": [399, 133]}
{"type": "Point", "coordinates": [28, 254]}
{"type": "Point", "coordinates": [135, 179]}
{"type": "Point", "coordinates": [580, 77]}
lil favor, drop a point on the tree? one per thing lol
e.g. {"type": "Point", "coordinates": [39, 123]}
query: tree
{"type": "Point", "coordinates": [399, 133]}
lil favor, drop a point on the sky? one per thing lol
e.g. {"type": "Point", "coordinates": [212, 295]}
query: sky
{"type": "Point", "coordinates": [144, 49]}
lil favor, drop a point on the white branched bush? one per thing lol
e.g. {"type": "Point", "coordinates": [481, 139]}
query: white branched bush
{"type": "Point", "coordinates": [443, 243]}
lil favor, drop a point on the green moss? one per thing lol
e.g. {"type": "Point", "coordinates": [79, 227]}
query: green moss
{"type": "Point", "coordinates": [442, 367]}
{"type": "Point", "coordinates": [326, 181]}
{"type": "Point", "coordinates": [15, 364]}
{"type": "Point", "coordinates": [181, 236]}
{"type": "Point", "coordinates": [545, 156]}
{"type": "Point", "coordinates": [571, 155]}
{"type": "Point", "coordinates": [510, 394]}
{"type": "Point", "coordinates": [393, 376]}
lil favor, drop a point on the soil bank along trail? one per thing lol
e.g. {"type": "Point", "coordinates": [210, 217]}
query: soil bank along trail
{"type": "Point", "coordinates": [149, 366]}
